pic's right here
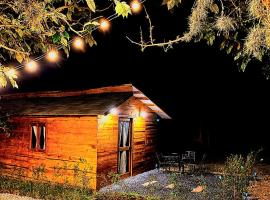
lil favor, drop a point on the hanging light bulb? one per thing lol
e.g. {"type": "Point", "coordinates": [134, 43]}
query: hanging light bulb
{"type": "Point", "coordinates": [52, 56]}
{"type": "Point", "coordinates": [31, 66]}
{"type": "Point", "coordinates": [136, 6]}
{"type": "Point", "coordinates": [11, 72]}
{"type": "Point", "coordinates": [104, 25]}
{"type": "Point", "coordinates": [78, 43]}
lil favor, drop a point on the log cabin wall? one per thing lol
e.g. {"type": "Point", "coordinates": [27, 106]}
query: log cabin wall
{"type": "Point", "coordinates": [144, 139]}
{"type": "Point", "coordinates": [107, 147]}
{"type": "Point", "coordinates": [70, 145]}
{"type": "Point", "coordinates": [144, 132]}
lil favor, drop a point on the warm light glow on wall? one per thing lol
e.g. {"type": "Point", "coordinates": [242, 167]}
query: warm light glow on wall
{"type": "Point", "coordinates": [106, 119]}
{"type": "Point", "coordinates": [104, 25]}
{"type": "Point", "coordinates": [78, 43]}
{"type": "Point", "coordinates": [52, 56]}
{"type": "Point", "coordinates": [136, 6]}
{"type": "Point", "coordinates": [143, 114]}
{"type": "Point", "coordinates": [31, 66]}
{"type": "Point", "coordinates": [114, 111]}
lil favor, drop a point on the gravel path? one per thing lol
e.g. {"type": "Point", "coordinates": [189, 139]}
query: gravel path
{"type": "Point", "coordinates": [6, 196]}
{"type": "Point", "coordinates": [166, 185]}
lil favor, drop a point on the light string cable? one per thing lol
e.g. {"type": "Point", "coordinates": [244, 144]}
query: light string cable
{"type": "Point", "coordinates": [59, 47]}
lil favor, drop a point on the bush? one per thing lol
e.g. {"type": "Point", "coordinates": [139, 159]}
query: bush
{"type": "Point", "coordinates": [236, 175]}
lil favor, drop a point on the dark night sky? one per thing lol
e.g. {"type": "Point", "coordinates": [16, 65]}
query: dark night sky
{"type": "Point", "coordinates": [199, 86]}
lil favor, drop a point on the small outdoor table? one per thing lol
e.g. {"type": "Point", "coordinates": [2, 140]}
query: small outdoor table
{"type": "Point", "coordinates": [173, 160]}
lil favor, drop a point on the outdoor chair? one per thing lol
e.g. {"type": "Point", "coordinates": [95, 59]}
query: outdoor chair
{"type": "Point", "coordinates": [189, 156]}
{"type": "Point", "coordinates": [161, 162]}
{"type": "Point", "coordinates": [169, 161]}
{"type": "Point", "coordinates": [189, 161]}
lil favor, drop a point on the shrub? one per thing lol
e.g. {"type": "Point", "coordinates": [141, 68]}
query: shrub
{"type": "Point", "coordinates": [113, 177]}
{"type": "Point", "coordinates": [236, 175]}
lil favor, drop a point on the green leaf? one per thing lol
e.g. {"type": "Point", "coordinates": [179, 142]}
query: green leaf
{"type": "Point", "coordinates": [229, 50]}
{"type": "Point", "coordinates": [243, 66]}
{"type": "Point", "coordinates": [122, 9]}
{"type": "Point", "coordinates": [91, 4]}
{"type": "Point", "coordinates": [20, 32]}
{"type": "Point", "coordinates": [237, 56]}
{"type": "Point", "coordinates": [222, 45]}
{"type": "Point", "coordinates": [56, 38]}
{"type": "Point", "coordinates": [211, 40]}
{"type": "Point", "coordinates": [64, 41]}
{"type": "Point", "coordinates": [66, 35]}
{"type": "Point", "coordinates": [54, 19]}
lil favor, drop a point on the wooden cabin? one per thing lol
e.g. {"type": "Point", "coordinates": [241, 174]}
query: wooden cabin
{"type": "Point", "coordinates": [56, 135]}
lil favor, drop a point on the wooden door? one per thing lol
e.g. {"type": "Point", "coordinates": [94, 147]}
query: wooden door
{"type": "Point", "coordinates": [124, 147]}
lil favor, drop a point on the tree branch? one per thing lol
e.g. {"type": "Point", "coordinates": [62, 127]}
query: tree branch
{"type": "Point", "coordinates": [13, 50]}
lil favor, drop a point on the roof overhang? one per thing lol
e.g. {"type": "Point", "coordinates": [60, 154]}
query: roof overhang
{"type": "Point", "coordinates": [150, 104]}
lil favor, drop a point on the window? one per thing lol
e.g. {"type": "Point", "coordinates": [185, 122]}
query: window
{"type": "Point", "coordinates": [38, 137]}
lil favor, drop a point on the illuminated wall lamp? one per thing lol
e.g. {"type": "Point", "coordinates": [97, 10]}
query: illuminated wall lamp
{"type": "Point", "coordinates": [113, 111]}
{"type": "Point", "coordinates": [143, 114]}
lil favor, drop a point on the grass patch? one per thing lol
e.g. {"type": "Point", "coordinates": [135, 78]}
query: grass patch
{"type": "Point", "coordinates": [49, 191]}
{"type": "Point", "coordinates": [122, 196]}
{"type": "Point", "coordinates": [45, 191]}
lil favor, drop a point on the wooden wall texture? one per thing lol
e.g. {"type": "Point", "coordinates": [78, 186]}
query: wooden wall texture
{"type": "Point", "coordinates": [94, 139]}
{"type": "Point", "coordinates": [143, 139]}
{"type": "Point", "coordinates": [70, 143]}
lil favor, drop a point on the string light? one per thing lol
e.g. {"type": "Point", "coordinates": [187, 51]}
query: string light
{"type": "Point", "coordinates": [12, 72]}
{"type": "Point", "coordinates": [31, 66]}
{"type": "Point", "coordinates": [136, 6]}
{"type": "Point", "coordinates": [52, 56]}
{"type": "Point", "coordinates": [104, 25]}
{"type": "Point", "coordinates": [78, 43]}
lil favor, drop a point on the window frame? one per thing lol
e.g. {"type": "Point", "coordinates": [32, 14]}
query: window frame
{"type": "Point", "coordinates": [37, 148]}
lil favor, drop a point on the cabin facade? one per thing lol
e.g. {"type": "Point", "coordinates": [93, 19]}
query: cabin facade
{"type": "Point", "coordinates": [79, 137]}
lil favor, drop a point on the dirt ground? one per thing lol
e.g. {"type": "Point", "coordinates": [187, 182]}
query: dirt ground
{"type": "Point", "coordinates": [260, 189]}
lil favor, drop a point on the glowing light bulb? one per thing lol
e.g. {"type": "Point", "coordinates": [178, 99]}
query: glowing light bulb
{"type": "Point", "coordinates": [52, 56]}
{"type": "Point", "coordinates": [12, 73]}
{"type": "Point", "coordinates": [114, 111]}
{"type": "Point", "coordinates": [31, 66]}
{"type": "Point", "coordinates": [143, 114]}
{"type": "Point", "coordinates": [136, 6]}
{"type": "Point", "coordinates": [78, 43]}
{"type": "Point", "coordinates": [104, 25]}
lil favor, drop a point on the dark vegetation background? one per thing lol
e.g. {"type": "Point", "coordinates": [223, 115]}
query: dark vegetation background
{"type": "Point", "coordinates": [215, 108]}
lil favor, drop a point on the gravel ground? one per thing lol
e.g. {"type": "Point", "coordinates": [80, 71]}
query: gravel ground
{"type": "Point", "coordinates": [183, 185]}
{"type": "Point", "coordinates": [14, 197]}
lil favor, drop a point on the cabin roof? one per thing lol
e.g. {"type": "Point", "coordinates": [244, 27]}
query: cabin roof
{"type": "Point", "coordinates": [96, 101]}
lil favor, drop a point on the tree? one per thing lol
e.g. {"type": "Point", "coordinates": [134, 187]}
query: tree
{"type": "Point", "coordinates": [34, 27]}
{"type": "Point", "coordinates": [240, 27]}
